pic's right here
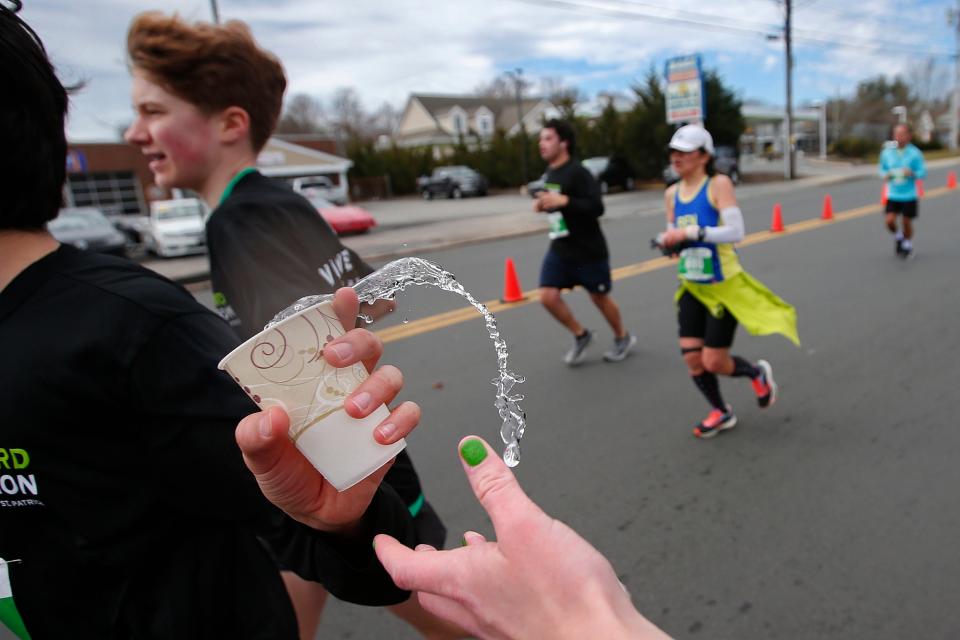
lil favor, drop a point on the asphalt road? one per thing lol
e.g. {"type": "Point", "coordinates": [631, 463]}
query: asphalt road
{"type": "Point", "coordinates": [831, 515]}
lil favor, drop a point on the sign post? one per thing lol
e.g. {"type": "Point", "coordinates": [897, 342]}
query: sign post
{"type": "Point", "coordinates": [686, 98]}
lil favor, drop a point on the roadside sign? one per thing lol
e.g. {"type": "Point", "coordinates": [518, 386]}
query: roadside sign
{"type": "Point", "coordinates": [686, 99]}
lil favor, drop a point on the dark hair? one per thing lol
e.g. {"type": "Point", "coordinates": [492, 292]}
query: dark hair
{"type": "Point", "coordinates": [32, 138]}
{"type": "Point", "coordinates": [564, 132]}
{"type": "Point", "coordinates": [212, 67]}
{"type": "Point", "coordinates": [710, 167]}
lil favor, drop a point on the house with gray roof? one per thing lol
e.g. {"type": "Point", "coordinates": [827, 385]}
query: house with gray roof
{"type": "Point", "coordinates": [444, 120]}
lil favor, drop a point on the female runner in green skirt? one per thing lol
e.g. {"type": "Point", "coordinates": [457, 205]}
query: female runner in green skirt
{"type": "Point", "coordinates": [715, 292]}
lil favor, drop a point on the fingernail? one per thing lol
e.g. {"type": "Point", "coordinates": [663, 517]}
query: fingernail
{"type": "Point", "coordinates": [362, 400]}
{"type": "Point", "coordinates": [343, 350]}
{"type": "Point", "coordinates": [387, 430]}
{"type": "Point", "coordinates": [374, 543]}
{"type": "Point", "coordinates": [463, 540]}
{"type": "Point", "coordinates": [265, 427]}
{"type": "Point", "coordinates": [473, 452]}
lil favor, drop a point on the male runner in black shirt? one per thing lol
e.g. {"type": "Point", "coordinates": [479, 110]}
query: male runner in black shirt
{"type": "Point", "coordinates": [207, 99]}
{"type": "Point", "coordinates": [578, 251]}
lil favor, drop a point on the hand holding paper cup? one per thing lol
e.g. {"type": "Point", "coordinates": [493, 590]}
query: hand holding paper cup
{"type": "Point", "coordinates": [284, 366]}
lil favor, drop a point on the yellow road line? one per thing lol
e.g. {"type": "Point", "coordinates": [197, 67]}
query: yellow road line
{"type": "Point", "coordinates": [441, 320]}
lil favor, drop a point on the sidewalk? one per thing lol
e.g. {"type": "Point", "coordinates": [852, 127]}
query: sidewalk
{"type": "Point", "coordinates": [437, 232]}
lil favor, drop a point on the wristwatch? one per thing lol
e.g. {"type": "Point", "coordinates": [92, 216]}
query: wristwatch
{"type": "Point", "coordinates": [701, 233]}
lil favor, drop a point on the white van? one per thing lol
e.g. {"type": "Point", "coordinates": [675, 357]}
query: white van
{"type": "Point", "coordinates": [176, 227]}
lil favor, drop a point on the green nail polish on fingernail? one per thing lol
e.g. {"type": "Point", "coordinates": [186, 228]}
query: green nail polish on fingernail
{"type": "Point", "coordinates": [473, 452]}
{"type": "Point", "coordinates": [463, 541]}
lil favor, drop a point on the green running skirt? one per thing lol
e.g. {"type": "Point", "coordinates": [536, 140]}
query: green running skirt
{"type": "Point", "coordinates": [754, 306]}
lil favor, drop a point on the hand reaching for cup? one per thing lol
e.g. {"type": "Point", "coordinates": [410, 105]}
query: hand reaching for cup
{"type": "Point", "coordinates": [285, 476]}
{"type": "Point", "coordinates": [539, 579]}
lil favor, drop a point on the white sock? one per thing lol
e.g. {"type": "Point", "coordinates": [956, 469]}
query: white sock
{"type": "Point", "coordinates": [898, 236]}
{"type": "Point", "coordinates": [907, 244]}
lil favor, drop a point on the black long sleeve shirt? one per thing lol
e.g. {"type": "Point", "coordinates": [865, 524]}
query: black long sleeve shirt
{"type": "Point", "coordinates": [129, 505]}
{"type": "Point", "coordinates": [586, 242]}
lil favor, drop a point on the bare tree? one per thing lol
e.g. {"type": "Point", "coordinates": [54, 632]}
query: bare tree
{"type": "Point", "coordinates": [928, 82]}
{"type": "Point", "coordinates": [302, 114]}
{"type": "Point", "coordinates": [563, 96]}
{"type": "Point", "coordinates": [347, 117]}
{"type": "Point", "coordinates": [556, 90]}
{"type": "Point", "coordinates": [500, 87]}
{"type": "Point", "coordinates": [383, 121]}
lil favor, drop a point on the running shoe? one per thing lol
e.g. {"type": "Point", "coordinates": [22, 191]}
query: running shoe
{"type": "Point", "coordinates": [906, 250]}
{"type": "Point", "coordinates": [715, 422]}
{"type": "Point", "coordinates": [621, 348]}
{"type": "Point", "coordinates": [898, 247]}
{"type": "Point", "coordinates": [575, 355]}
{"type": "Point", "coordinates": [765, 386]}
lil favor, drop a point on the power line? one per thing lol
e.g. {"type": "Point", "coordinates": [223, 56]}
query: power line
{"type": "Point", "coordinates": [812, 36]}
{"type": "Point", "coordinates": [679, 19]}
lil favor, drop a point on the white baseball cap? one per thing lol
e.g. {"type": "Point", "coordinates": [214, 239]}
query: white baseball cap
{"type": "Point", "coordinates": [691, 137]}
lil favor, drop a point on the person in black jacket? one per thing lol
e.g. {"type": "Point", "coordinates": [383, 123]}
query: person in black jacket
{"type": "Point", "coordinates": [127, 509]}
{"type": "Point", "coordinates": [207, 98]}
{"type": "Point", "coordinates": [578, 250]}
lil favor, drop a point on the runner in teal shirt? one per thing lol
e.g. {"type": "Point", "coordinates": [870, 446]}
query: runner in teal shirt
{"type": "Point", "coordinates": [900, 167]}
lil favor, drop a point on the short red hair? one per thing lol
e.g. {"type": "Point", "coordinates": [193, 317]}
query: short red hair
{"type": "Point", "coordinates": [211, 66]}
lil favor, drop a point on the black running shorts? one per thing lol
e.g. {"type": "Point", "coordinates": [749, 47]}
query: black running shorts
{"type": "Point", "coordinates": [696, 321]}
{"type": "Point", "coordinates": [562, 273]}
{"type": "Point", "coordinates": [906, 208]}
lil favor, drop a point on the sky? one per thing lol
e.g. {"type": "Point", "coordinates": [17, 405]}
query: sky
{"type": "Point", "coordinates": [387, 49]}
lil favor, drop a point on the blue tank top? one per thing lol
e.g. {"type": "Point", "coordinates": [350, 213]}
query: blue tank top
{"type": "Point", "coordinates": [703, 262]}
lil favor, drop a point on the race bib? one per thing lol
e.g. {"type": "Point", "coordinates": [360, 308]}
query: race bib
{"type": "Point", "coordinates": [558, 226]}
{"type": "Point", "coordinates": [696, 264]}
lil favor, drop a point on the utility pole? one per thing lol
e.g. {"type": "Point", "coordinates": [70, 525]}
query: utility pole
{"type": "Point", "coordinates": [953, 18]}
{"type": "Point", "coordinates": [215, 11]}
{"type": "Point", "coordinates": [823, 129]}
{"type": "Point", "coordinates": [517, 76]}
{"type": "Point", "coordinates": [789, 166]}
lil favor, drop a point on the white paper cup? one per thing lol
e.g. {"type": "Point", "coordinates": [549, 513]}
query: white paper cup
{"type": "Point", "coordinates": [284, 366]}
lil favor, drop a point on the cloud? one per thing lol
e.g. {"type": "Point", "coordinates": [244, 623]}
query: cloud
{"type": "Point", "coordinates": [388, 49]}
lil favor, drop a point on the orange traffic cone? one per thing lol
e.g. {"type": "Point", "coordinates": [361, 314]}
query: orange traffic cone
{"type": "Point", "coordinates": [952, 180]}
{"type": "Point", "coordinates": [920, 193]}
{"type": "Point", "coordinates": [776, 224]}
{"type": "Point", "coordinates": [883, 194]}
{"type": "Point", "coordinates": [511, 284]}
{"type": "Point", "coordinates": [827, 208]}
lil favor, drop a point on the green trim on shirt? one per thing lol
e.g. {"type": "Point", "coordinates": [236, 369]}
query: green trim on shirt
{"type": "Point", "coordinates": [416, 506]}
{"type": "Point", "coordinates": [233, 182]}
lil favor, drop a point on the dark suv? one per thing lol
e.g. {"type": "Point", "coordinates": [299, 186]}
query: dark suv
{"type": "Point", "coordinates": [610, 172]}
{"type": "Point", "coordinates": [726, 160]}
{"type": "Point", "coordinates": [453, 182]}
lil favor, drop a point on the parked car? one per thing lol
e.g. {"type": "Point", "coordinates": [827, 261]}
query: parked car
{"type": "Point", "coordinates": [611, 171]}
{"type": "Point", "coordinates": [88, 228]}
{"type": "Point", "coordinates": [453, 182]}
{"type": "Point", "coordinates": [320, 186]}
{"type": "Point", "coordinates": [176, 227]}
{"type": "Point", "coordinates": [349, 219]}
{"type": "Point", "coordinates": [726, 160]}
